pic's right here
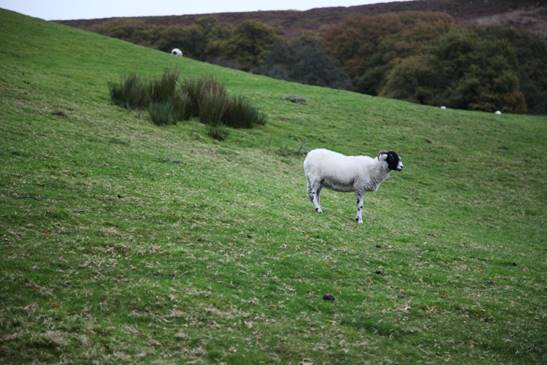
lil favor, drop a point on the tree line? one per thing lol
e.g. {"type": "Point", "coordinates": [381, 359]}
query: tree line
{"type": "Point", "coordinates": [423, 57]}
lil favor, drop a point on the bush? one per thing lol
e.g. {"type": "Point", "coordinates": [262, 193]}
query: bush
{"type": "Point", "coordinates": [130, 93]}
{"type": "Point", "coordinates": [239, 113]}
{"type": "Point", "coordinates": [161, 113]}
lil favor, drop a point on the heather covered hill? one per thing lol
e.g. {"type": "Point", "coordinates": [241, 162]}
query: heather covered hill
{"type": "Point", "coordinates": [530, 15]}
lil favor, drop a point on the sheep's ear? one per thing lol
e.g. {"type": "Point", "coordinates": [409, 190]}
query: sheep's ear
{"type": "Point", "coordinates": [382, 155]}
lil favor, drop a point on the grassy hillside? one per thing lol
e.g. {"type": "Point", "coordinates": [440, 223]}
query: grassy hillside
{"type": "Point", "coordinates": [123, 242]}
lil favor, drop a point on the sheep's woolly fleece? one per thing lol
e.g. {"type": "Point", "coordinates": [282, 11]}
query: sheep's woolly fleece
{"type": "Point", "coordinates": [333, 170]}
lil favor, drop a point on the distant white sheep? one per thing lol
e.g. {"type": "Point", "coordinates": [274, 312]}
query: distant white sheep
{"type": "Point", "coordinates": [333, 170]}
{"type": "Point", "coordinates": [497, 112]}
{"type": "Point", "coordinates": [443, 107]}
{"type": "Point", "coordinates": [176, 52]}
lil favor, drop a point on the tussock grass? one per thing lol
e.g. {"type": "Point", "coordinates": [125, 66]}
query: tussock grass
{"type": "Point", "coordinates": [205, 98]}
{"type": "Point", "coordinates": [182, 106]}
{"type": "Point", "coordinates": [161, 113]}
{"type": "Point", "coordinates": [130, 93]}
{"type": "Point", "coordinates": [163, 89]}
{"type": "Point", "coordinates": [239, 113]}
{"type": "Point", "coordinates": [212, 102]}
{"type": "Point", "coordinates": [193, 88]}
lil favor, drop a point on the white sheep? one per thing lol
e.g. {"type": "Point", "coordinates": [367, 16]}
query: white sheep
{"type": "Point", "coordinates": [176, 52]}
{"type": "Point", "coordinates": [497, 112]}
{"type": "Point", "coordinates": [333, 170]}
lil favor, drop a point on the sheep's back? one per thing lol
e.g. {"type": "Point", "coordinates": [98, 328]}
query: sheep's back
{"type": "Point", "coordinates": [326, 164]}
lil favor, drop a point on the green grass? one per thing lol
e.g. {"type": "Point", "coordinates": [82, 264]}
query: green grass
{"type": "Point", "coordinates": [124, 242]}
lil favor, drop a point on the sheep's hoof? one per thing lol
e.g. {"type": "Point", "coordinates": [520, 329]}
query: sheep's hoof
{"type": "Point", "coordinates": [318, 210]}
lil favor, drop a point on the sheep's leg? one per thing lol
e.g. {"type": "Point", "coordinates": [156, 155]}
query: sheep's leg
{"type": "Point", "coordinates": [318, 196]}
{"type": "Point", "coordinates": [313, 194]}
{"type": "Point", "coordinates": [360, 202]}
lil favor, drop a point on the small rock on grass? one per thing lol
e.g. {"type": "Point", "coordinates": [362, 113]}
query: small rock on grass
{"type": "Point", "coordinates": [296, 99]}
{"type": "Point", "coordinates": [328, 297]}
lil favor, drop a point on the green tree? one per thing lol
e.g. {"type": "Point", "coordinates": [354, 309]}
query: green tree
{"type": "Point", "coordinates": [461, 70]}
{"type": "Point", "coordinates": [304, 61]}
{"type": "Point", "coordinates": [196, 40]}
{"type": "Point", "coordinates": [368, 47]}
{"type": "Point", "coordinates": [412, 79]}
{"type": "Point", "coordinates": [477, 72]}
{"type": "Point", "coordinates": [249, 43]}
{"type": "Point", "coordinates": [531, 54]}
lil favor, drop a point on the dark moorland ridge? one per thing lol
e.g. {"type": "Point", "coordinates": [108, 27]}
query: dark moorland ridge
{"type": "Point", "coordinates": [530, 15]}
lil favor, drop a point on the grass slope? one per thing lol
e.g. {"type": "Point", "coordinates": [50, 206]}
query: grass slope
{"type": "Point", "coordinates": [123, 242]}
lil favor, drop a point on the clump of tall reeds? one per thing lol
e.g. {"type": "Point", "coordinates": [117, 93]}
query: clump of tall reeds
{"type": "Point", "coordinates": [168, 101]}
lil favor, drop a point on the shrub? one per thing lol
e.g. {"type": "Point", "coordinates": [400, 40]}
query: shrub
{"type": "Point", "coordinates": [218, 132]}
{"type": "Point", "coordinates": [161, 113]}
{"type": "Point", "coordinates": [129, 93]}
{"type": "Point", "coordinates": [239, 113]}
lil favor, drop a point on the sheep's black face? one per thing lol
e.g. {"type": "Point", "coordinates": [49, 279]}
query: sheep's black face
{"type": "Point", "coordinates": [394, 162]}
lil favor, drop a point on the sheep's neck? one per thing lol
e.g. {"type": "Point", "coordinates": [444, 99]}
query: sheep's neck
{"type": "Point", "coordinates": [377, 176]}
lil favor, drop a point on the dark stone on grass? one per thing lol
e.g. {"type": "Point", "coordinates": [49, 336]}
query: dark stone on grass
{"type": "Point", "coordinates": [378, 245]}
{"type": "Point", "coordinates": [296, 99]}
{"type": "Point", "coordinates": [379, 272]}
{"type": "Point", "coordinates": [329, 297]}
{"type": "Point", "coordinates": [59, 113]}
{"type": "Point", "coordinates": [169, 160]}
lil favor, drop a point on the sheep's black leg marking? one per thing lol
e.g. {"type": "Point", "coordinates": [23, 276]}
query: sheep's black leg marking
{"type": "Point", "coordinates": [311, 193]}
{"type": "Point", "coordinates": [359, 202]}
{"type": "Point", "coordinates": [319, 196]}
{"type": "Point", "coordinates": [314, 190]}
